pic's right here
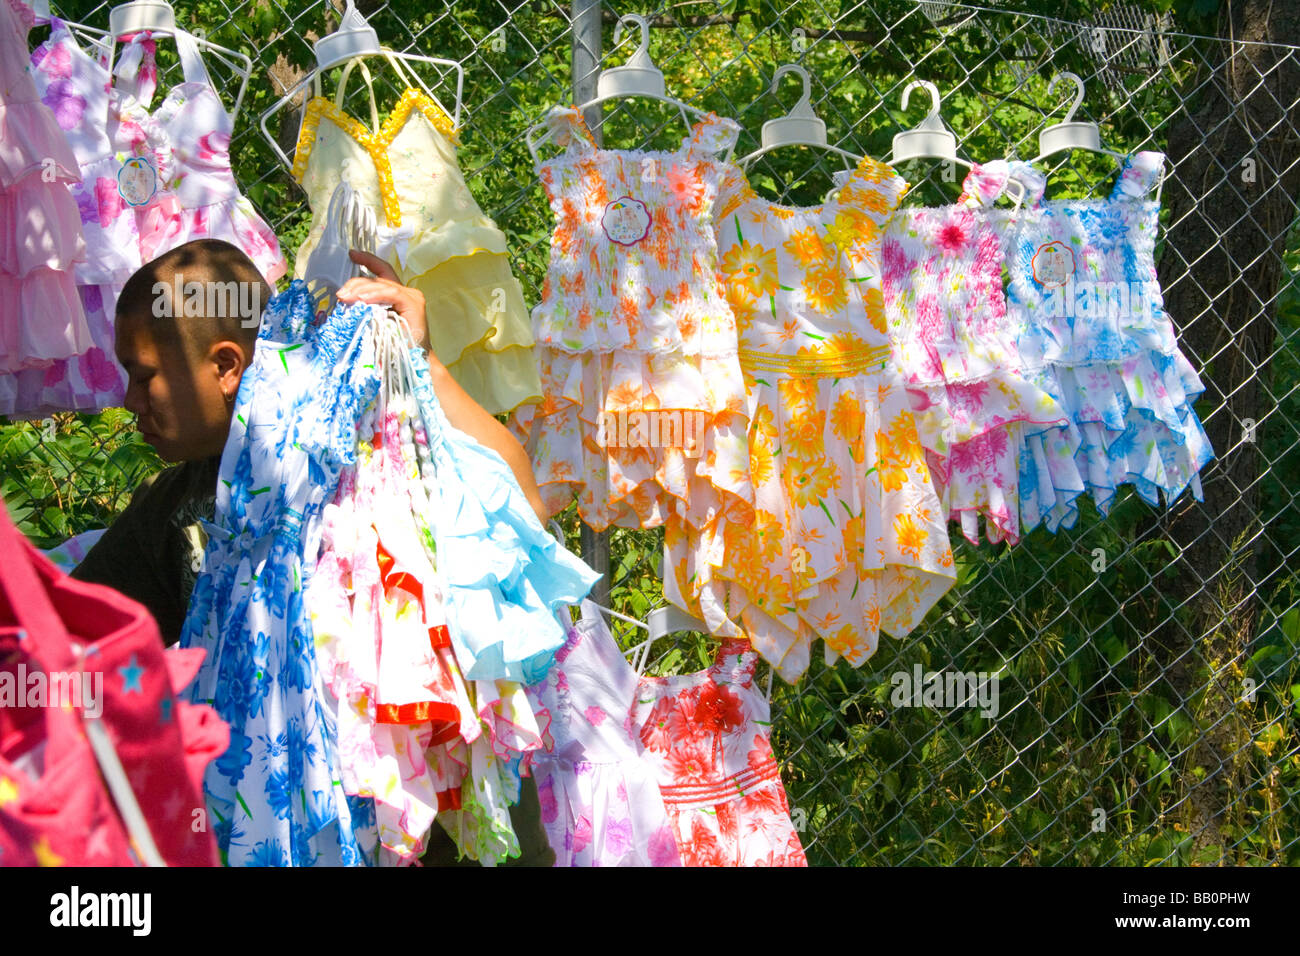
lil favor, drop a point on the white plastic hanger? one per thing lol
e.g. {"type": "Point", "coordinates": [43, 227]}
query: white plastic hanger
{"type": "Point", "coordinates": [929, 139]}
{"type": "Point", "coordinates": [354, 39]}
{"type": "Point", "coordinates": [1078, 134]}
{"type": "Point", "coordinates": [932, 139]}
{"type": "Point", "coordinates": [800, 127]}
{"type": "Point", "coordinates": [158, 17]}
{"type": "Point", "coordinates": [638, 77]}
{"type": "Point", "coordinates": [96, 37]}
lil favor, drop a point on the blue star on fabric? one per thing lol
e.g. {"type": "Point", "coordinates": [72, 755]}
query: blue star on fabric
{"type": "Point", "coordinates": [165, 709]}
{"type": "Point", "coordinates": [131, 675]}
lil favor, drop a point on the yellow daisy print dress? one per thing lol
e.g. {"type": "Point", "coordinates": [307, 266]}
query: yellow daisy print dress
{"type": "Point", "coordinates": [848, 538]}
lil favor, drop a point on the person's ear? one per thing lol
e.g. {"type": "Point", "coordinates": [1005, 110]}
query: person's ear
{"type": "Point", "coordinates": [229, 359]}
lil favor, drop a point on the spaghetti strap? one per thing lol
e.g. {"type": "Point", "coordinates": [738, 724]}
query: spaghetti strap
{"type": "Point", "coordinates": [984, 184]}
{"type": "Point", "coordinates": [1139, 175]}
{"type": "Point", "coordinates": [569, 130]}
{"type": "Point", "coordinates": [713, 134]}
{"type": "Point", "coordinates": [1033, 180]}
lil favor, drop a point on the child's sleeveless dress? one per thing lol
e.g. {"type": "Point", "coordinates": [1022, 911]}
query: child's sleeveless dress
{"type": "Point", "coordinates": [848, 537]}
{"type": "Point", "coordinates": [148, 182]}
{"type": "Point", "coordinates": [434, 235]}
{"type": "Point", "coordinates": [1093, 331]}
{"type": "Point", "coordinates": [275, 796]}
{"type": "Point", "coordinates": [643, 408]}
{"type": "Point", "coordinates": [41, 317]}
{"type": "Point", "coordinates": [599, 795]}
{"type": "Point", "coordinates": [708, 735]}
{"type": "Point", "coordinates": [198, 195]}
{"type": "Point", "coordinates": [942, 278]}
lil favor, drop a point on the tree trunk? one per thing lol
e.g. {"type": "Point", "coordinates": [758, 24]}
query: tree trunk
{"type": "Point", "coordinates": [1232, 200]}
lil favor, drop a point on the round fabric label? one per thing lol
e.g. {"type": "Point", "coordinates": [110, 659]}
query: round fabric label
{"type": "Point", "coordinates": [137, 181]}
{"type": "Point", "coordinates": [626, 221]}
{"type": "Point", "coordinates": [1053, 264]}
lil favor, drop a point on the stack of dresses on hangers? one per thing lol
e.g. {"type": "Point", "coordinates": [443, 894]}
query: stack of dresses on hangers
{"type": "Point", "coordinates": [376, 591]}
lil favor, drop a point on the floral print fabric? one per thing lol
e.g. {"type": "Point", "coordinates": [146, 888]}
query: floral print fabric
{"type": "Point", "coordinates": [632, 323]}
{"type": "Point", "coordinates": [1094, 333]}
{"type": "Point", "coordinates": [276, 794]}
{"type": "Point", "coordinates": [146, 182]}
{"type": "Point", "coordinates": [707, 733]}
{"type": "Point", "coordinates": [847, 537]}
{"type": "Point", "coordinates": [599, 796]}
{"type": "Point", "coordinates": [942, 280]}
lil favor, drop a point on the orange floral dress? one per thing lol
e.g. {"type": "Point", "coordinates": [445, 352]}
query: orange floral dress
{"type": "Point", "coordinates": [848, 537]}
{"type": "Point", "coordinates": [643, 408]}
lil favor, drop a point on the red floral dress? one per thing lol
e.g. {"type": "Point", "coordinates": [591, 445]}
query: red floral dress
{"type": "Point", "coordinates": [708, 735]}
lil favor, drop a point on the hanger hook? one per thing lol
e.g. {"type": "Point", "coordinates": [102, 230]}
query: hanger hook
{"type": "Point", "coordinates": [935, 99]}
{"type": "Point", "coordinates": [642, 51]}
{"type": "Point", "coordinates": [805, 102]}
{"type": "Point", "coordinates": [1078, 92]}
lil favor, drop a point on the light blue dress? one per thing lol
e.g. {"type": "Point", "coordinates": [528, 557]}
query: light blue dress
{"type": "Point", "coordinates": [273, 794]}
{"type": "Point", "coordinates": [1094, 333]}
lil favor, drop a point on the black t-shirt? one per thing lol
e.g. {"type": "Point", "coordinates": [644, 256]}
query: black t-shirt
{"type": "Point", "coordinates": [152, 552]}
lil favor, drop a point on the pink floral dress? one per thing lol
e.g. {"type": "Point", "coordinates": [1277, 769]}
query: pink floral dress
{"type": "Point", "coordinates": [942, 271]}
{"type": "Point", "coordinates": [42, 321]}
{"type": "Point", "coordinates": [707, 733]}
{"type": "Point", "coordinates": [599, 796]}
{"type": "Point", "coordinates": [147, 183]}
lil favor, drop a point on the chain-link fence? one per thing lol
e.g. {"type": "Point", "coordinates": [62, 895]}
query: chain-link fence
{"type": "Point", "coordinates": [1146, 663]}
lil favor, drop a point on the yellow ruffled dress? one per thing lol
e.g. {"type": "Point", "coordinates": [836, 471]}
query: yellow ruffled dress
{"type": "Point", "coordinates": [433, 233]}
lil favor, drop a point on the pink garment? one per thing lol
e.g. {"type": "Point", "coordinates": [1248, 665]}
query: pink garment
{"type": "Point", "coordinates": [148, 182]}
{"type": "Point", "coordinates": [942, 280]}
{"type": "Point", "coordinates": [41, 318]}
{"type": "Point", "coordinates": [708, 735]}
{"type": "Point", "coordinates": [599, 794]}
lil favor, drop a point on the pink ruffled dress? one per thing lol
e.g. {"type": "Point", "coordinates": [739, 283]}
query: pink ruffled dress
{"type": "Point", "coordinates": [957, 348]}
{"type": "Point", "coordinates": [41, 317]}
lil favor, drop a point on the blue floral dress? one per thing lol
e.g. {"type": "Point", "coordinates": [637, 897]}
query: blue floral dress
{"type": "Point", "coordinates": [274, 794]}
{"type": "Point", "coordinates": [1094, 333]}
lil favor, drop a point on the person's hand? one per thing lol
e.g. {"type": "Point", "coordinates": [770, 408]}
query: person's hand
{"type": "Point", "coordinates": [384, 289]}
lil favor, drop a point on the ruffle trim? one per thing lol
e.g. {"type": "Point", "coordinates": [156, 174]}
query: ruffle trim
{"type": "Point", "coordinates": [47, 322]}
{"type": "Point", "coordinates": [649, 468]}
{"type": "Point", "coordinates": [32, 142]}
{"type": "Point", "coordinates": [503, 574]}
{"type": "Point", "coordinates": [1136, 426]}
{"type": "Point", "coordinates": [42, 228]}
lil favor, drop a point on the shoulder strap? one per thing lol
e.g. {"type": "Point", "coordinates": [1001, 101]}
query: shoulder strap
{"type": "Point", "coordinates": [568, 129]}
{"type": "Point", "coordinates": [191, 59]}
{"type": "Point", "coordinates": [1033, 181]}
{"type": "Point", "coordinates": [136, 74]}
{"type": "Point", "coordinates": [985, 183]}
{"type": "Point", "coordinates": [1139, 176]}
{"type": "Point", "coordinates": [714, 134]}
